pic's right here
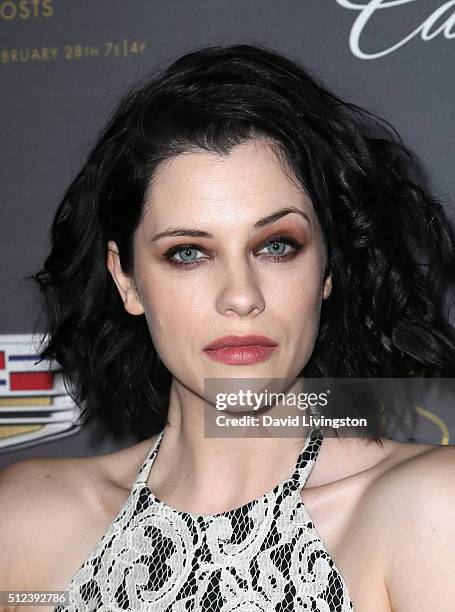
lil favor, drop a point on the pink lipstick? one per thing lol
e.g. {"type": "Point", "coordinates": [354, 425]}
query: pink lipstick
{"type": "Point", "coordinates": [240, 350]}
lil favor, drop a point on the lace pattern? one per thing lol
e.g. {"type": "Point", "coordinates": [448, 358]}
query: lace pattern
{"type": "Point", "coordinates": [261, 557]}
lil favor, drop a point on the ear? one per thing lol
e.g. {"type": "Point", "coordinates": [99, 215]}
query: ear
{"type": "Point", "coordinates": [128, 292]}
{"type": "Point", "coordinates": [327, 287]}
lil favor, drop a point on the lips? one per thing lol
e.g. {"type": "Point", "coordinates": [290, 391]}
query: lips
{"type": "Point", "coordinates": [236, 341]}
{"type": "Point", "coordinates": [240, 350]}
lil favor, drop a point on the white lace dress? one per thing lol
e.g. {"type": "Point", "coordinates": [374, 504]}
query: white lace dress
{"type": "Point", "coordinates": [264, 556]}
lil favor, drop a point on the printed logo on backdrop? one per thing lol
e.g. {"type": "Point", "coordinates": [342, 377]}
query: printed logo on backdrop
{"type": "Point", "coordinates": [11, 10]}
{"type": "Point", "coordinates": [95, 48]}
{"type": "Point", "coordinates": [34, 404]}
{"type": "Point", "coordinates": [440, 22]}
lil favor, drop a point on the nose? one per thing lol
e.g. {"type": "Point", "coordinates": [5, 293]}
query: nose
{"type": "Point", "coordinates": [239, 293]}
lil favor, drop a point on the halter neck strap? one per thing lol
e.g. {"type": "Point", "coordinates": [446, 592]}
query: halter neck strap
{"type": "Point", "coordinates": [302, 469]}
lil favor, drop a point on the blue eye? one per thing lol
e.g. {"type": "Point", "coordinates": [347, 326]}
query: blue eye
{"type": "Point", "coordinates": [277, 251]}
{"type": "Point", "coordinates": [187, 254]}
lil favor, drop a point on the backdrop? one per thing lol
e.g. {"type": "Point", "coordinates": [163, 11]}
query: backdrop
{"type": "Point", "coordinates": [64, 64]}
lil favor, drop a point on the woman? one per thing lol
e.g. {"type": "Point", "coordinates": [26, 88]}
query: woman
{"type": "Point", "coordinates": [233, 195]}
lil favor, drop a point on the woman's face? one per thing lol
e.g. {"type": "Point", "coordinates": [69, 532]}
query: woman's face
{"type": "Point", "coordinates": [259, 270]}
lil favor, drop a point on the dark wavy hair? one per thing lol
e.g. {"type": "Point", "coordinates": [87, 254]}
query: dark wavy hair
{"type": "Point", "coordinates": [389, 243]}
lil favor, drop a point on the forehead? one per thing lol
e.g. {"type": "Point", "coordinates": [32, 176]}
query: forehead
{"type": "Point", "coordinates": [233, 188]}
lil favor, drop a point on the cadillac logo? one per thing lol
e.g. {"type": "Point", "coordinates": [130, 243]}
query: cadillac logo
{"type": "Point", "coordinates": [34, 404]}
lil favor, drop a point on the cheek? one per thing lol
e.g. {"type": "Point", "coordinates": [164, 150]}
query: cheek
{"type": "Point", "coordinates": [296, 306]}
{"type": "Point", "coordinates": [298, 293]}
{"type": "Point", "coordinates": [173, 307]}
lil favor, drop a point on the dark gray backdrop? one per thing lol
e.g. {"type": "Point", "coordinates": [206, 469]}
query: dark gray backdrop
{"type": "Point", "coordinates": [51, 109]}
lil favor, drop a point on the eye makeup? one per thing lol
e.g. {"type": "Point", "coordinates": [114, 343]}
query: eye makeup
{"type": "Point", "coordinates": [291, 244]}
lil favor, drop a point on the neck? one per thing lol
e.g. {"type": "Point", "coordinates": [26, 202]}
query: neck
{"type": "Point", "coordinates": [202, 474]}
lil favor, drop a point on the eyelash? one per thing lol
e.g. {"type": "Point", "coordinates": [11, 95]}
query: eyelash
{"type": "Point", "coordinates": [297, 246]}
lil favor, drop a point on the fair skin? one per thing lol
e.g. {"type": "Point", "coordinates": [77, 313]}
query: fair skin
{"type": "Point", "coordinates": [232, 290]}
{"type": "Point", "coordinates": [385, 514]}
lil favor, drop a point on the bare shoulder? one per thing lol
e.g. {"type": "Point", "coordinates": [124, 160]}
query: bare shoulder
{"type": "Point", "coordinates": [119, 469]}
{"type": "Point", "coordinates": [41, 500]}
{"type": "Point", "coordinates": [53, 511]}
{"type": "Point", "coordinates": [412, 502]}
{"type": "Point", "coordinates": [415, 472]}
{"type": "Point", "coordinates": [415, 479]}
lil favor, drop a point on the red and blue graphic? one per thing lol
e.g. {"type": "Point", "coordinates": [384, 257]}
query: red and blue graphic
{"type": "Point", "coordinates": [34, 403]}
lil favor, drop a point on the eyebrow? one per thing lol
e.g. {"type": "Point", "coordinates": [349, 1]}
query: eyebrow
{"type": "Point", "coordinates": [185, 231]}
